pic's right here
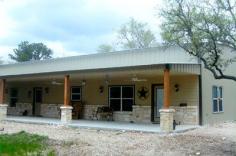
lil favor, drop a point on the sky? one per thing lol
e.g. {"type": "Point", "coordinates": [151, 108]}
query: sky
{"type": "Point", "coordinates": [69, 28]}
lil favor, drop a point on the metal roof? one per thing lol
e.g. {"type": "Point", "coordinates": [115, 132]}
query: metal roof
{"type": "Point", "coordinates": [119, 59]}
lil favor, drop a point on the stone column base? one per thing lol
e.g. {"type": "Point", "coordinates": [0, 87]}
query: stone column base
{"type": "Point", "coordinates": [3, 111]}
{"type": "Point", "coordinates": [166, 120]}
{"type": "Point", "coordinates": [66, 114]}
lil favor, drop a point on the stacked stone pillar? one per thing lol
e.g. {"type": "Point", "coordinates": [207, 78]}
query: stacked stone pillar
{"type": "Point", "coordinates": [166, 120]}
{"type": "Point", "coordinates": [66, 114]}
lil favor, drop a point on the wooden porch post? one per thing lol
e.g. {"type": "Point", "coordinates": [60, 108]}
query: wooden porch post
{"type": "Point", "coordinates": [67, 90]}
{"type": "Point", "coordinates": [3, 107]}
{"type": "Point", "coordinates": [2, 90]}
{"type": "Point", "coordinates": [166, 88]}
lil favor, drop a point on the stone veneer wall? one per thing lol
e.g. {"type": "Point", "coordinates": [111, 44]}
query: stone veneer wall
{"type": "Point", "coordinates": [19, 109]}
{"type": "Point", "coordinates": [89, 111]}
{"type": "Point", "coordinates": [187, 115]}
{"type": "Point", "coordinates": [123, 116]}
{"type": "Point", "coordinates": [142, 114]}
{"type": "Point", "coordinates": [47, 110]}
{"type": "Point", "coordinates": [139, 113]}
{"type": "Point", "coordinates": [51, 110]}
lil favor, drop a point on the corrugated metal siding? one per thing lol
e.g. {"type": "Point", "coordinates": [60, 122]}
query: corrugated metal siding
{"type": "Point", "coordinates": [151, 56]}
{"type": "Point", "coordinates": [184, 68]}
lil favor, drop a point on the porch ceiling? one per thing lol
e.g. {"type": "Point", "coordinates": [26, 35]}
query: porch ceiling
{"type": "Point", "coordinates": [141, 72]}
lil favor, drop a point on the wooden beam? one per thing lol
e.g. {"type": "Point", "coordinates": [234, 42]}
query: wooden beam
{"type": "Point", "coordinates": [67, 90]}
{"type": "Point", "coordinates": [2, 90]}
{"type": "Point", "coordinates": [166, 88]}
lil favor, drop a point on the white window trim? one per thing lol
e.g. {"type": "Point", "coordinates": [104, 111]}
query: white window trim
{"type": "Point", "coordinates": [121, 98]}
{"type": "Point", "coordinates": [218, 98]}
{"type": "Point", "coordinates": [71, 94]}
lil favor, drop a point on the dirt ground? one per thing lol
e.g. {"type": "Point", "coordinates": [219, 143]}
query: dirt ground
{"type": "Point", "coordinates": [214, 140]}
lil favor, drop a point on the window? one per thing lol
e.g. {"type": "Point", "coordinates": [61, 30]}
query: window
{"type": "Point", "coordinates": [217, 98]}
{"type": "Point", "coordinates": [121, 98]}
{"type": "Point", "coordinates": [75, 93]}
{"type": "Point", "coordinates": [13, 97]}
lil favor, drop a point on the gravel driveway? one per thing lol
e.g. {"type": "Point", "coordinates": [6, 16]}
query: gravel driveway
{"type": "Point", "coordinates": [216, 140]}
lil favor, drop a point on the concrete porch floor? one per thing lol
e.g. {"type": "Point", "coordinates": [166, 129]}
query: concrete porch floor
{"type": "Point", "coordinates": [103, 125]}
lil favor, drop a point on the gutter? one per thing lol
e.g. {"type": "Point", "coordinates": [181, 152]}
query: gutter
{"type": "Point", "coordinates": [200, 96]}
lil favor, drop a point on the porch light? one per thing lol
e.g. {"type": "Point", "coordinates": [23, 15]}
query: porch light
{"type": "Point", "coordinates": [101, 89]}
{"type": "Point", "coordinates": [176, 87]}
{"type": "Point", "coordinates": [106, 82]}
{"type": "Point", "coordinates": [83, 82]}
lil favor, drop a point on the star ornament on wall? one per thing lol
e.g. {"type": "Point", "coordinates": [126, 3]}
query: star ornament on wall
{"type": "Point", "coordinates": [143, 93]}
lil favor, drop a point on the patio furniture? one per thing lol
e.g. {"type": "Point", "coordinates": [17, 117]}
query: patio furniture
{"type": "Point", "coordinates": [77, 110]}
{"type": "Point", "coordinates": [104, 113]}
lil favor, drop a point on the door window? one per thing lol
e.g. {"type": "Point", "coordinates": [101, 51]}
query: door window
{"type": "Point", "coordinates": [159, 101]}
{"type": "Point", "coordinates": [38, 96]}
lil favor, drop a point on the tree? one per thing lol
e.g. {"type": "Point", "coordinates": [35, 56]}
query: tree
{"type": "Point", "coordinates": [33, 51]}
{"type": "Point", "coordinates": [105, 48]}
{"type": "Point", "coordinates": [132, 35]}
{"type": "Point", "coordinates": [135, 35]}
{"type": "Point", "coordinates": [203, 29]}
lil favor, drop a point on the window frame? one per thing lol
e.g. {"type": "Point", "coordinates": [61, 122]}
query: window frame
{"type": "Point", "coordinates": [13, 97]}
{"type": "Point", "coordinates": [121, 96]}
{"type": "Point", "coordinates": [218, 99]}
{"type": "Point", "coordinates": [71, 93]}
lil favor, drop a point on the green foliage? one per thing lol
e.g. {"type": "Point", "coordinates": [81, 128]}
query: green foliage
{"type": "Point", "coordinates": [135, 35]}
{"type": "Point", "coordinates": [203, 29]}
{"type": "Point", "coordinates": [51, 153]}
{"type": "Point", "coordinates": [131, 35]}
{"type": "Point", "coordinates": [105, 48]}
{"type": "Point", "coordinates": [22, 143]}
{"type": "Point", "coordinates": [31, 51]}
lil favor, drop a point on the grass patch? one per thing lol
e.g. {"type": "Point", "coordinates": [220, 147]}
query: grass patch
{"type": "Point", "coordinates": [22, 144]}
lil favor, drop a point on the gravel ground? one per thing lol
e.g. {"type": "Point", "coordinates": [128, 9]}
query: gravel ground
{"type": "Point", "coordinates": [216, 140]}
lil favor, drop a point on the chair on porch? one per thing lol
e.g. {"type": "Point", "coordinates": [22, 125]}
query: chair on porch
{"type": "Point", "coordinates": [77, 110]}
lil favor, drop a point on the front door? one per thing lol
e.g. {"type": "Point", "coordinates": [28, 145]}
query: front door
{"type": "Point", "coordinates": [158, 95]}
{"type": "Point", "coordinates": [37, 100]}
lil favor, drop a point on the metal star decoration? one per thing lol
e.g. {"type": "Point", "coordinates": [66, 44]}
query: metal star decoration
{"type": "Point", "coordinates": [143, 92]}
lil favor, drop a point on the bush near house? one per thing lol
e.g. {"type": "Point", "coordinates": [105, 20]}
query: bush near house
{"type": "Point", "coordinates": [23, 143]}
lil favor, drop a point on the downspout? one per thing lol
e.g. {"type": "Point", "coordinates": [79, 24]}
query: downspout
{"type": "Point", "coordinates": [200, 95]}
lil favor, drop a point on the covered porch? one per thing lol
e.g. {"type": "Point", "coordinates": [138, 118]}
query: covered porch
{"type": "Point", "coordinates": [99, 125]}
{"type": "Point", "coordinates": [153, 85]}
{"type": "Point", "coordinates": [136, 94]}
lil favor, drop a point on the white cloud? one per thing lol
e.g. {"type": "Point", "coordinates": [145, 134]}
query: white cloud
{"type": "Point", "coordinates": [60, 51]}
{"type": "Point", "coordinates": [7, 24]}
{"type": "Point", "coordinates": [74, 28]}
{"type": "Point", "coordinates": [4, 52]}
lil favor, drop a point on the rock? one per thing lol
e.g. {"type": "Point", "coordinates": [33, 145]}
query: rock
{"type": "Point", "coordinates": [198, 153]}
